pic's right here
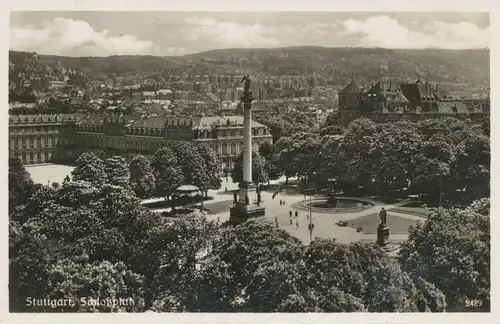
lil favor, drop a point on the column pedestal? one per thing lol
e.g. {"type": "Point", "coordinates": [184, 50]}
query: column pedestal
{"type": "Point", "coordinates": [241, 212]}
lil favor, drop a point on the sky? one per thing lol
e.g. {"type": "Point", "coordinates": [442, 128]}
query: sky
{"type": "Point", "coordinates": [104, 33]}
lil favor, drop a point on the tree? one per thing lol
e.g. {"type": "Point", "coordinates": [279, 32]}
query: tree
{"type": "Point", "coordinates": [246, 269]}
{"type": "Point", "coordinates": [277, 125]}
{"type": "Point", "coordinates": [167, 172]}
{"type": "Point", "coordinates": [268, 152]}
{"type": "Point", "coordinates": [142, 179]}
{"type": "Point", "coordinates": [259, 173]}
{"type": "Point", "coordinates": [117, 171]}
{"type": "Point", "coordinates": [99, 286]}
{"type": "Point", "coordinates": [472, 167]}
{"type": "Point", "coordinates": [90, 168]}
{"type": "Point", "coordinates": [452, 251]}
{"type": "Point", "coordinates": [212, 172]}
{"type": "Point", "coordinates": [172, 253]}
{"type": "Point", "coordinates": [332, 130]}
{"type": "Point", "coordinates": [299, 155]}
{"type": "Point", "coordinates": [192, 164]}
{"type": "Point", "coordinates": [21, 186]}
{"type": "Point", "coordinates": [30, 257]}
{"type": "Point", "coordinates": [394, 148]}
{"type": "Point", "coordinates": [285, 157]}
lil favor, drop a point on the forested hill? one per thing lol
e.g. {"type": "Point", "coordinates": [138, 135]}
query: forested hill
{"type": "Point", "coordinates": [368, 64]}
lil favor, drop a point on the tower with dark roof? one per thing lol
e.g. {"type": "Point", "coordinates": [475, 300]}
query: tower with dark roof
{"type": "Point", "coordinates": [350, 99]}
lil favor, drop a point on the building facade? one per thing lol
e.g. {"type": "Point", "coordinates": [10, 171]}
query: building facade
{"type": "Point", "coordinates": [63, 138]}
{"type": "Point", "coordinates": [387, 101]}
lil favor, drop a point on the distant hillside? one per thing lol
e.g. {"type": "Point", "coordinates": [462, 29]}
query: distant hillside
{"type": "Point", "coordinates": [367, 64]}
{"type": "Point", "coordinates": [30, 70]}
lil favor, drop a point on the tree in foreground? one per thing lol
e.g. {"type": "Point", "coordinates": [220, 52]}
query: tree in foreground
{"type": "Point", "coordinates": [452, 251]}
{"type": "Point", "coordinates": [96, 287]}
{"type": "Point", "coordinates": [21, 186]}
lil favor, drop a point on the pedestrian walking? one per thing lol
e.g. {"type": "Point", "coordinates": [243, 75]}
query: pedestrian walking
{"type": "Point", "coordinates": [281, 202]}
{"type": "Point", "coordinates": [296, 214]}
{"type": "Point", "coordinates": [290, 213]}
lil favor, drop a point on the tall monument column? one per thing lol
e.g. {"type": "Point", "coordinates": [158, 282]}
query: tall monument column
{"type": "Point", "coordinates": [248, 203]}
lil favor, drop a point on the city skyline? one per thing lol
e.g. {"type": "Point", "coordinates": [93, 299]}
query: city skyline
{"type": "Point", "coordinates": [96, 33]}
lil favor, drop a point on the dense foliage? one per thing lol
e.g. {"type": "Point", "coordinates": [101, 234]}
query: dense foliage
{"type": "Point", "coordinates": [94, 240]}
{"type": "Point", "coordinates": [90, 236]}
{"type": "Point", "coordinates": [428, 157]}
{"type": "Point", "coordinates": [452, 249]}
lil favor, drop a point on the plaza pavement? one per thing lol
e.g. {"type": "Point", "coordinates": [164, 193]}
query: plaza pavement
{"type": "Point", "coordinates": [324, 223]}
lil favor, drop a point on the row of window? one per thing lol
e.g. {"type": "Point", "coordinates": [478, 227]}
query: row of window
{"type": "Point", "coordinates": [33, 158]}
{"type": "Point", "coordinates": [36, 142]}
{"type": "Point", "coordinates": [178, 134]}
{"type": "Point", "coordinates": [32, 130]}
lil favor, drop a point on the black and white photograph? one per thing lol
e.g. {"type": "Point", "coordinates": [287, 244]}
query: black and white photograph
{"type": "Point", "coordinates": [249, 162]}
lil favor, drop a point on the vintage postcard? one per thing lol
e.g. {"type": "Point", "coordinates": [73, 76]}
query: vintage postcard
{"type": "Point", "coordinates": [249, 162]}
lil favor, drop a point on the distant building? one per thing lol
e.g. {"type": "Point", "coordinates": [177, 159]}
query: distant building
{"type": "Point", "coordinates": [56, 85]}
{"type": "Point", "coordinates": [387, 101]}
{"type": "Point", "coordinates": [148, 95]}
{"type": "Point", "coordinates": [62, 138]}
{"type": "Point", "coordinates": [202, 87]}
{"type": "Point", "coordinates": [136, 96]}
{"type": "Point", "coordinates": [165, 95]}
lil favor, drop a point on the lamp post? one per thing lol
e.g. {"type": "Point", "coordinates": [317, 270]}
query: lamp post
{"type": "Point", "coordinates": [310, 190]}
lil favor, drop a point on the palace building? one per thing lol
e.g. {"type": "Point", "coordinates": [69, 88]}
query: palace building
{"type": "Point", "coordinates": [62, 138]}
{"type": "Point", "coordinates": [388, 101]}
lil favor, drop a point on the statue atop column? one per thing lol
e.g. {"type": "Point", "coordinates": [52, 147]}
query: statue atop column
{"type": "Point", "coordinates": [247, 81]}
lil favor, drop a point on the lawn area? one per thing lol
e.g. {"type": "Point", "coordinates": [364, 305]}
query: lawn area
{"type": "Point", "coordinates": [49, 172]}
{"type": "Point", "coordinates": [369, 223]}
{"type": "Point", "coordinates": [424, 212]}
{"type": "Point", "coordinates": [218, 207]}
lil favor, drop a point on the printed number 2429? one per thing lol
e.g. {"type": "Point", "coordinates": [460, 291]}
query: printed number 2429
{"type": "Point", "coordinates": [473, 303]}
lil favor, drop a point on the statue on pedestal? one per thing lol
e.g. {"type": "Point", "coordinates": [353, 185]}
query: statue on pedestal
{"type": "Point", "coordinates": [383, 217]}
